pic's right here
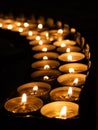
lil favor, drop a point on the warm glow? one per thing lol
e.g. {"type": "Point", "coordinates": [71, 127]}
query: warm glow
{"type": "Point", "coordinates": [35, 88]}
{"type": "Point", "coordinates": [18, 24]}
{"type": "Point", "coordinates": [69, 91]}
{"type": "Point", "coordinates": [24, 98]}
{"type": "Point", "coordinates": [63, 44]}
{"type": "Point", "coordinates": [40, 26]}
{"type": "Point", "coordinates": [30, 33]}
{"type": "Point", "coordinates": [45, 77]}
{"type": "Point", "coordinates": [63, 112]}
{"type": "Point", "coordinates": [68, 50]}
{"type": "Point", "coordinates": [60, 31]}
{"type": "Point", "coordinates": [46, 67]}
{"type": "Point", "coordinates": [75, 82]}
{"type": "Point", "coordinates": [37, 37]}
{"type": "Point", "coordinates": [73, 30]}
{"type": "Point", "coordinates": [26, 24]}
{"type": "Point", "coordinates": [20, 29]}
{"type": "Point", "coordinates": [0, 25]}
{"type": "Point", "coordinates": [44, 49]}
{"type": "Point", "coordinates": [40, 42]}
{"type": "Point", "coordinates": [9, 27]}
{"type": "Point", "coordinates": [45, 57]}
{"type": "Point", "coordinates": [69, 57]}
{"type": "Point", "coordinates": [71, 70]}
{"type": "Point", "coordinates": [47, 34]}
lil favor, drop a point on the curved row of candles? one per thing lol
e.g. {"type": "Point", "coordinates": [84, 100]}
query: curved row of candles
{"type": "Point", "coordinates": [61, 63]}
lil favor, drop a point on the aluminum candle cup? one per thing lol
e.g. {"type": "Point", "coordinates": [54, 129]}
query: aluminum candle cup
{"type": "Point", "coordinates": [45, 64]}
{"type": "Point", "coordinates": [48, 55]}
{"type": "Point", "coordinates": [29, 33]}
{"type": "Point", "coordinates": [72, 79]}
{"type": "Point", "coordinates": [48, 76]}
{"type": "Point", "coordinates": [65, 93]}
{"type": "Point", "coordinates": [60, 110]}
{"type": "Point", "coordinates": [43, 48]}
{"type": "Point", "coordinates": [39, 42]}
{"type": "Point", "coordinates": [68, 48]}
{"type": "Point", "coordinates": [74, 68]}
{"type": "Point", "coordinates": [64, 43]}
{"type": "Point", "coordinates": [71, 57]}
{"type": "Point", "coordinates": [16, 106]}
{"type": "Point", "coordinates": [37, 89]}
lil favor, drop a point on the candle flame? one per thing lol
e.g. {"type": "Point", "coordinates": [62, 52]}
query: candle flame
{"type": "Point", "coordinates": [37, 37]}
{"type": "Point", "coordinates": [26, 24]}
{"type": "Point", "coordinates": [44, 49]}
{"type": "Point", "coordinates": [75, 82]}
{"type": "Point", "coordinates": [69, 57]}
{"type": "Point", "coordinates": [30, 33]}
{"type": "Point", "coordinates": [46, 67]}
{"type": "Point", "coordinates": [40, 42]}
{"type": "Point", "coordinates": [68, 50]}
{"type": "Point", "coordinates": [63, 112]}
{"type": "Point", "coordinates": [69, 91]}
{"type": "Point", "coordinates": [20, 29]}
{"type": "Point", "coordinates": [24, 98]}
{"type": "Point", "coordinates": [40, 26]}
{"type": "Point", "coordinates": [63, 44]}
{"type": "Point", "coordinates": [45, 77]}
{"type": "Point", "coordinates": [60, 31]}
{"type": "Point", "coordinates": [35, 89]}
{"type": "Point", "coordinates": [9, 27]}
{"type": "Point", "coordinates": [1, 25]}
{"type": "Point", "coordinates": [45, 57]}
{"type": "Point", "coordinates": [71, 70]}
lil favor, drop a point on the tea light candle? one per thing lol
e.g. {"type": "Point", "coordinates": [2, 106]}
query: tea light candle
{"type": "Point", "coordinates": [71, 57]}
{"type": "Point", "coordinates": [43, 48]}
{"type": "Point", "coordinates": [65, 93]}
{"type": "Point", "coordinates": [73, 68]}
{"type": "Point", "coordinates": [39, 42]}
{"type": "Point", "coordinates": [38, 89]}
{"type": "Point", "coordinates": [72, 79]}
{"type": "Point", "coordinates": [43, 63]}
{"type": "Point", "coordinates": [48, 55]}
{"type": "Point", "coordinates": [68, 49]}
{"type": "Point", "coordinates": [60, 110]}
{"type": "Point", "coordinates": [28, 33]}
{"type": "Point", "coordinates": [64, 43]}
{"type": "Point", "coordinates": [23, 105]}
{"type": "Point", "coordinates": [48, 76]}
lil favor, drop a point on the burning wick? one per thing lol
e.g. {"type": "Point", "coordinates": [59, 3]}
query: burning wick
{"type": "Point", "coordinates": [45, 77]}
{"type": "Point", "coordinates": [24, 100]}
{"type": "Point", "coordinates": [45, 58]}
{"type": "Point", "coordinates": [35, 89]}
{"type": "Point", "coordinates": [69, 94]}
{"type": "Point", "coordinates": [63, 113]}
{"type": "Point", "coordinates": [69, 57]}
{"type": "Point", "coordinates": [46, 67]}
{"type": "Point", "coordinates": [75, 82]}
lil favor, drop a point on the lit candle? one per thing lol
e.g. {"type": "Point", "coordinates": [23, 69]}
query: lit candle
{"type": "Point", "coordinates": [37, 89]}
{"type": "Point", "coordinates": [74, 67]}
{"type": "Point", "coordinates": [66, 42]}
{"type": "Point", "coordinates": [23, 105]}
{"type": "Point", "coordinates": [46, 55]}
{"type": "Point", "coordinates": [60, 110]}
{"type": "Point", "coordinates": [48, 76]}
{"type": "Point", "coordinates": [43, 48]}
{"type": "Point", "coordinates": [71, 56]}
{"type": "Point", "coordinates": [43, 64]}
{"type": "Point", "coordinates": [68, 49]}
{"type": "Point", "coordinates": [68, 79]}
{"type": "Point", "coordinates": [65, 93]}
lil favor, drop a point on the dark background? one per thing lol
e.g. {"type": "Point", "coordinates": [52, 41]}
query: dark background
{"type": "Point", "coordinates": [79, 14]}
